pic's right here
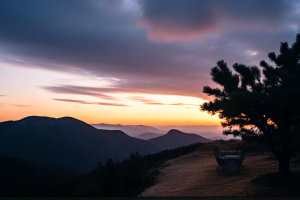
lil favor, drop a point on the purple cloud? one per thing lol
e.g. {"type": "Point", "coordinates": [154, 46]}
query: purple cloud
{"type": "Point", "coordinates": [179, 20]}
{"type": "Point", "coordinates": [152, 102]}
{"type": "Point", "coordinates": [105, 39]}
{"type": "Point", "coordinates": [173, 88]}
{"type": "Point", "coordinates": [68, 89]}
{"type": "Point", "coordinates": [146, 101]}
{"type": "Point", "coordinates": [94, 103]}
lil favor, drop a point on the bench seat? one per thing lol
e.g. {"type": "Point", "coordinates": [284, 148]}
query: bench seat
{"type": "Point", "coordinates": [229, 160]}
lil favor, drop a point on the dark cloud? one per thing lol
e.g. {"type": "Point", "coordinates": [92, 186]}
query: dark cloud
{"type": "Point", "coordinates": [166, 88]}
{"type": "Point", "coordinates": [68, 89]}
{"type": "Point", "coordinates": [152, 102]}
{"type": "Point", "coordinates": [104, 38]}
{"type": "Point", "coordinates": [94, 103]}
{"type": "Point", "coordinates": [95, 36]}
{"type": "Point", "coordinates": [179, 20]}
{"type": "Point", "coordinates": [97, 91]}
{"type": "Point", "coordinates": [2, 95]}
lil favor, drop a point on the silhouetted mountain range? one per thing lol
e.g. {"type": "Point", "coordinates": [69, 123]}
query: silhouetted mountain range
{"type": "Point", "coordinates": [207, 131]}
{"type": "Point", "coordinates": [147, 136]}
{"type": "Point", "coordinates": [67, 142]}
{"type": "Point", "coordinates": [26, 178]}
{"type": "Point", "coordinates": [175, 138]}
{"type": "Point", "coordinates": [138, 131]}
{"type": "Point", "coordinates": [132, 130]}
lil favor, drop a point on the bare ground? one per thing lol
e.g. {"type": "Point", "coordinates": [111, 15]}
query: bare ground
{"type": "Point", "coordinates": [196, 174]}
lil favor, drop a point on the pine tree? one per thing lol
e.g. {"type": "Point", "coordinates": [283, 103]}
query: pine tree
{"type": "Point", "coordinates": [251, 105]}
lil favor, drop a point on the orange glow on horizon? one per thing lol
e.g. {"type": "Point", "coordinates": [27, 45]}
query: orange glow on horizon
{"type": "Point", "coordinates": [141, 109]}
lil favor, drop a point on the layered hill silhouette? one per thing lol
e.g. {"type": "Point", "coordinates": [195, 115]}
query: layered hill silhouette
{"type": "Point", "coordinates": [67, 142]}
{"type": "Point", "coordinates": [132, 130]}
{"type": "Point", "coordinates": [147, 136]}
{"type": "Point", "coordinates": [175, 138]}
{"type": "Point", "coordinates": [24, 178]}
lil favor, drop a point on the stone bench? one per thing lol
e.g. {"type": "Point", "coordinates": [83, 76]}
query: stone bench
{"type": "Point", "coordinates": [229, 160]}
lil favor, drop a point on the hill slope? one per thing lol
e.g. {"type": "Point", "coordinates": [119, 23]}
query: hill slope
{"type": "Point", "coordinates": [175, 138]}
{"type": "Point", "coordinates": [26, 178]}
{"type": "Point", "coordinates": [199, 176]}
{"type": "Point", "coordinates": [132, 130]}
{"type": "Point", "coordinates": [67, 142]}
{"type": "Point", "coordinates": [148, 136]}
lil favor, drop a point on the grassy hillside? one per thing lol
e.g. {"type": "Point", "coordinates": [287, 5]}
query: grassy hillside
{"type": "Point", "coordinates": [129, 177]}
{"type": "Point", "coordinates": [199, 176]}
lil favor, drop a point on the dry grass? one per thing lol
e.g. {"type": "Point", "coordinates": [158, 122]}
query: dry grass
{"type": "Point", "coordinates": [196, 174]}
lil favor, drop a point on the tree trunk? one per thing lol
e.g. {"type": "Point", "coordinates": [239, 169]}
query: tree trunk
{"type": "Point", "coordinates": [285, 158]}
{"type": "Point", "coordinates": [282, 153]}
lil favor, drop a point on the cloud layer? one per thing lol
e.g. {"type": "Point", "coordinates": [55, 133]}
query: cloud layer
{"type": "Point", "coordinates": [178, 20]}
{"type": "Point", "coordinates": [152, 102]}
{"type": "Point", "coordinates": [153, 47]}
{"type": "Point", "coordinates": [94, 103]}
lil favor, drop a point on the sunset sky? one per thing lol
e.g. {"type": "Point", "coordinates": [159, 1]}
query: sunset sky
{"type": "Point", "coordinates": [130, 61]}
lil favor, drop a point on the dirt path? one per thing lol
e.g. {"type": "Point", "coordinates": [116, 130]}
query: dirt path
{"type": "Point", "coordinates": [196, 174]}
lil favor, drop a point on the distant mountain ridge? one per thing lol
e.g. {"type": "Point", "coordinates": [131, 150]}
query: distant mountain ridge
{"type": "Point", "coordinates": [207, 131]}
{"type": "Point", "coordinates": [147, 136]}
{"type": "Point", "coordinates": [137, 131]}
{"type": "Point", "coordinates": [132, 130]}
{"type": "Point", "coordinates": [67, 142]}
{"type": "Point", "coordinates": [175, 138]}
